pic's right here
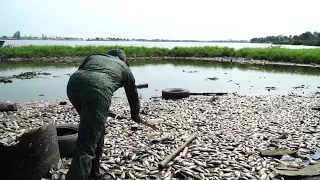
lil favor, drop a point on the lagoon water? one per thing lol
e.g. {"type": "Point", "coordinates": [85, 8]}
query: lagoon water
{"type": "Point", "coordinates": [242, 79]}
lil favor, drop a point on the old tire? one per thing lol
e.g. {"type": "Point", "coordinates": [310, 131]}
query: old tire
{"type": "Point", "coordinates": [67, 135]}
{"type": "Point", "coordinates": [175, 93]}
{"type": "Point", "coordinates": [34, 155]}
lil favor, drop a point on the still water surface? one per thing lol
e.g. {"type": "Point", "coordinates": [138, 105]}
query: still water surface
{"type": "Point", "coordinates": [243, 79]}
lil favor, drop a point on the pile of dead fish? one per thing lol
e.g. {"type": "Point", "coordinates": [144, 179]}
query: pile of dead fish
{"type": "Point", "coordinates": [29, 75]}
{"type": "Point", "coordinates": [23, 75]}
{"type": "Point", "coordinates": [5, 80]}
{"type": "Point", "coordinates": [234, 135]}
{"type": "Point", "coordinates": [30, 115]}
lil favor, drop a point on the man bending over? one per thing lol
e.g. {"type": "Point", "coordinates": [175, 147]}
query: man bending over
{"type": "Point", "coordinates": [90, 90]}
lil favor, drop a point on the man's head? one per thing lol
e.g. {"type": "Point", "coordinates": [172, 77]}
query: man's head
{"type": "Point", "coordinates": [119, 53]}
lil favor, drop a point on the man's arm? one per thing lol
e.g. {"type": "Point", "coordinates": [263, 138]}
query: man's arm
{"type": "Point", "coordinates": [132, 95]}
{"type": "Point", "coordinates": [134, 101]}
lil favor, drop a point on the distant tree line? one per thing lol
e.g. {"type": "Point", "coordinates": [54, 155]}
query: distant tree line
{"type": "Point", "coordinates": [306, 38]}
{"type": "Point", "coordinates": [17, 36]}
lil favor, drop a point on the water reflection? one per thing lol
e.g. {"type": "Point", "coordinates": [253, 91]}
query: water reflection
{"type": "Point", "coordinates": [240, 78]}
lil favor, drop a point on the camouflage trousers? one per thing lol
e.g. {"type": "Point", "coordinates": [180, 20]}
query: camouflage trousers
{"type": "Point", "coordinates": [93, 110]}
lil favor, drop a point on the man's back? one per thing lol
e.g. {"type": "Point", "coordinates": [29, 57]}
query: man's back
{"type": "Point", "coordinates": [102, 73]}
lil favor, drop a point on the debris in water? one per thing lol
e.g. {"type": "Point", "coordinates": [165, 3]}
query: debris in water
{"type": "Point", "coordinates": [300, 87]}
{"type": "Point", "coordinates": [212, 78]}
{"type": "Point", "coordinates": [144, 85]}
{"type": "Point", "coordinates": [271, 88]}
{"type": "Point", "coordinates": [5, 80]}
{"type": "Point", "coordinates": [189, 71]}
{"type": "Point", "coordinates": [62, 102]}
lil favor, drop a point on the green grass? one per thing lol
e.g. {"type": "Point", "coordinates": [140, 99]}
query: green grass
{"type": "Point", "coordinates": [270, 54]}
{"type": "Point", "coordinates": [281, 54]}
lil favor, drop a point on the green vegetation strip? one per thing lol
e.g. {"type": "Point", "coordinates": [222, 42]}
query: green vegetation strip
{"type": "Point", "coordinates": [270, 53]}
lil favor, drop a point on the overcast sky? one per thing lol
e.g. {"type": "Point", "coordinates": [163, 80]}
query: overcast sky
{"type": "Point", "coordinates": [167, 19]}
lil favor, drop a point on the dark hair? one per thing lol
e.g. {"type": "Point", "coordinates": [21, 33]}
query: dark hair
{"type": "Point", "coordinates": [119, 53]}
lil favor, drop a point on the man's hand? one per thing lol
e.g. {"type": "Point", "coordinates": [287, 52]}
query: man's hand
{"type": "Point", "coordinates": [138, 120]}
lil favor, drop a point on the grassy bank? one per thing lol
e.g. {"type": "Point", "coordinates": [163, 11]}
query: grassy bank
{"type": "Point", "coordinates": [271, 54]}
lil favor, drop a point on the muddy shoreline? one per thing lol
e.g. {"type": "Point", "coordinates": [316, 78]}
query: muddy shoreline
{"type": "Point", "coordinates": [79, 59]}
